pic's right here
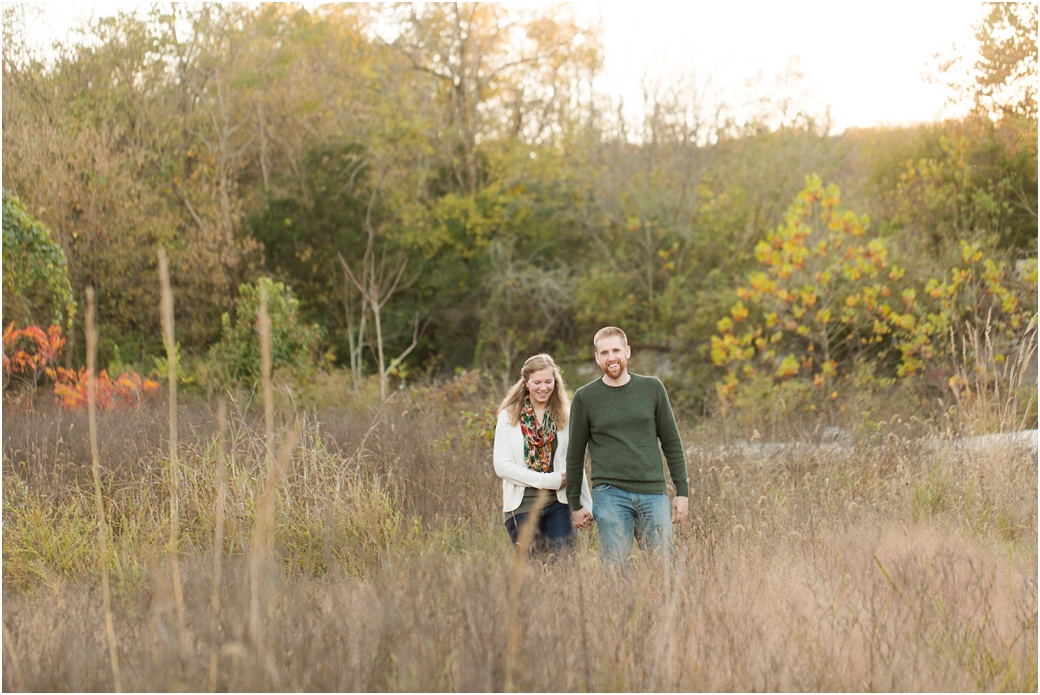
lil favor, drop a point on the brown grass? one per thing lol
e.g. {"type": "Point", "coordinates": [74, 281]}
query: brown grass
{"type": "Point", "coordinates": [902, 564]}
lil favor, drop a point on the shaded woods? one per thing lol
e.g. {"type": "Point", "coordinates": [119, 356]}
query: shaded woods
{"type": "Point", "coordinates": [317, 242]}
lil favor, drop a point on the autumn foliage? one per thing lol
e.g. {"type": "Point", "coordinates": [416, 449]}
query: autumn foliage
{"type": "Point", "coordinates": [828, 301]}
{"type": "Point", "coordinates": [30, 353]}
{"type": "Point", "coordinates": [122, 393]}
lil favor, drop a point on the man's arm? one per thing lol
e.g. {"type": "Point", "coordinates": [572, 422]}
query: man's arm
{"type": "Point", "coordinates": [680, 508]}
{"type": "Point", "coordinates": [578, 426]}
{"type": "Point", "coordinates": [671, 444]}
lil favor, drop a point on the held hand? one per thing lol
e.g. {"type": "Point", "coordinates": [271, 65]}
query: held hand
{"type": "Point", "coordinates": [563, 481]}
{"type": "Point", "coordinates": [680, 508]}
{"type": "Point", "coordinates": [582, 518]}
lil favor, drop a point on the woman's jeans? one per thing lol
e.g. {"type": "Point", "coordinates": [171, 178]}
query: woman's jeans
{"type": "Point", "coordinates": [553, 531]}
{"type": "Point", "coordinates": [622, 517]}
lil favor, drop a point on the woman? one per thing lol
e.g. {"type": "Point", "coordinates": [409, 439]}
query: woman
{"type": "Point", "coordinates": [531, 455]}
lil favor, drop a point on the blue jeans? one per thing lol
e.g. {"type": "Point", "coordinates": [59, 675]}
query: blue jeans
{"type": "Point", "coordinates": [553, 532]}
{"type": "Point", "coordinates": [622, 517]}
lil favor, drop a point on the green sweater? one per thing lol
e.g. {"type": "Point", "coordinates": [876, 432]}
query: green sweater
{"type": "Point", "coordinates": [621, 426]}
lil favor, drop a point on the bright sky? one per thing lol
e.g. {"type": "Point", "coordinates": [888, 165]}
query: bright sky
{"type": "Point", "coordinates": [863, 59]}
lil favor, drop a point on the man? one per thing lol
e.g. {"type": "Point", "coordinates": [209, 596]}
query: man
{"type": "Point", "coordinates": [620, 418]}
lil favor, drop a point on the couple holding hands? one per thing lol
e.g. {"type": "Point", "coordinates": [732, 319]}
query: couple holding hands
{"type": "Point", "coordinates": [625, 421]}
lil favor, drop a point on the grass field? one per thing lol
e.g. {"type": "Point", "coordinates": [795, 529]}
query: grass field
{"type": "Point", "coordinates": [364, 551]}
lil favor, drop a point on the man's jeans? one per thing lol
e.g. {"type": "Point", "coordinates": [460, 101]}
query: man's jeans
{"type": "Point", "coordinates": [623, 516]}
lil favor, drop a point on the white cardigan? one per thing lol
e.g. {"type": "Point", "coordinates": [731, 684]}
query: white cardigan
{"type": "Point", "coordinates": [511, 467]}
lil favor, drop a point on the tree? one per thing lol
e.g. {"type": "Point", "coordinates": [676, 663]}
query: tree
{"type": "Point", "coordinates": [495, 72]}
{"type": "Point", "coordinates": [981, 183]}
{"type": "Point", "coordinates": [294, 344]}
{"type": "Point", "coordinates": [377, 279]}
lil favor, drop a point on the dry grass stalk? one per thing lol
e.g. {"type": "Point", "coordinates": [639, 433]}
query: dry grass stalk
{"type": "Point", "coordinates": [263, 530]}
{"type": "Point", "coordinates": [218, 542]}
{"type": "Point", "coordinates": [174, 471]}
{"type": "Point", "coordinates": [19, 681]}
{"type": "Point", "coordinates": [95, 467]}
{"type": "Point", "coordinates": [989, 393]}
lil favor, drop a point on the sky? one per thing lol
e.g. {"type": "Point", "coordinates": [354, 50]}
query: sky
{"type": "Point", "coordinates": [865, 60]}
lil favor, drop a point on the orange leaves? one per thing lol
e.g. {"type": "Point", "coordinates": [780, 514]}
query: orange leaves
{"type": "Point", "coordinates": [123, 393]}
{"type": "Point", "coordinates": [28, 351]}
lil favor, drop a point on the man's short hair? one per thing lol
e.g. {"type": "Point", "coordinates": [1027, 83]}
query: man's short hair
{"type": "Point", "coordinates": [608, 332]}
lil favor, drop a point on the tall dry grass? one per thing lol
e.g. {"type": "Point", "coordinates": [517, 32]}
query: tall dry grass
{"type": "Point", "coordinates": [899, 561]}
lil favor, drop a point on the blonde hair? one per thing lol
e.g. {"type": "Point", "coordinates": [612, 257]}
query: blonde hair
{"type": "Point", "coordinates": [559, 402]}
{"type": "Point", "coordinates": [609, 332]}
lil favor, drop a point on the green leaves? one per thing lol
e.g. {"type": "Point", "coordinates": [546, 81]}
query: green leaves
{"type": "Point", "coordinates": [36, 287]}
{"type": "Point", "coordinates": [295, 346]}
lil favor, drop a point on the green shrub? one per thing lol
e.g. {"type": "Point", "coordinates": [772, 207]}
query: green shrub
{"type": "Point", "coordinates": [295, 346]}
{"type": "Point", "coordinates": [36, 288]}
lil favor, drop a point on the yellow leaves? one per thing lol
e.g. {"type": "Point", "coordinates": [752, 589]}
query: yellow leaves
{"type": "Point", "coordinates": [762, 283]}
{"type": "Point", "coordinates": [934, 288]}
{"type": "Point", "coordinates": [970, 253]}
{"type": "Point", "coordinates": [819, 267]}
{"type": "Point", "coordinates": [1029, 273]}
{"type": "Point", "coordinates": [909, 296]}
{"type": "Point", "coordinates": [724, 350]}
{"type": "Point", "coordinates": [824, 277]}
{"type": "Point", "coordinates": [788, 367]}
{"type": "Point", "coordinates": [877, 253]}
{"type": "Point", "coordinates": [764, 253]}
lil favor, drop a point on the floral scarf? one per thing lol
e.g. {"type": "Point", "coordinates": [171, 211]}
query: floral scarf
{"type": "Point", "coordinates": [538, 440]}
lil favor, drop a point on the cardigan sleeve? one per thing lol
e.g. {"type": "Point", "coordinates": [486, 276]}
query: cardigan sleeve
{"type": "Point", "coordinates": [509, 465]}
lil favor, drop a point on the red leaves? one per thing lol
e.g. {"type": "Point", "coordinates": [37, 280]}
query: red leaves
{"type": "Point", "coordinates": [29, 353]}
{"type": "Point", "coordinates": [124, 393]}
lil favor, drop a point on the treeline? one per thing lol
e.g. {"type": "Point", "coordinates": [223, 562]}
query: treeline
{"type": "Point", "coordinates": [441, 186]}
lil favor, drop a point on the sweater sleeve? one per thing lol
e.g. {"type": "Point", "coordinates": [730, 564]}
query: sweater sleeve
{"type": "Point", "coordinates": [671, 443]}
{"type": "Point", "coordinates": [579, 439]}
